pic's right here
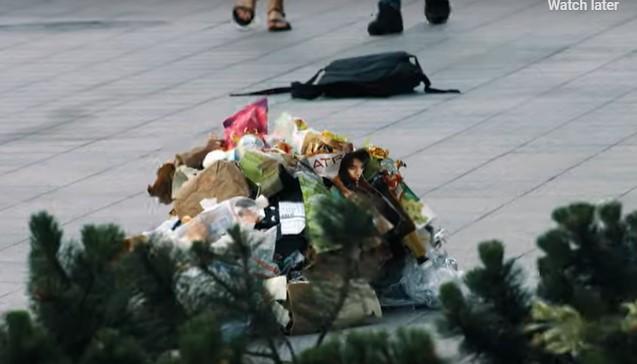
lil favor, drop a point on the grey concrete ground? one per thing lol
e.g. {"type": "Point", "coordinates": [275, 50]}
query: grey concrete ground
{"type": "Point", "coordinates": [95, 94]}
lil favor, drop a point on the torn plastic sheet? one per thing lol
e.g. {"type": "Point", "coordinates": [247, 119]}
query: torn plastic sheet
{"type": "Point", "coordinates": [420, 284]}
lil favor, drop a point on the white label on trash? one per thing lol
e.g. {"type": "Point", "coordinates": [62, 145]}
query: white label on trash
{"type": "Point", "coordinates": [326, 165]}
{"type": "Point", "coordinates": [292, 217]}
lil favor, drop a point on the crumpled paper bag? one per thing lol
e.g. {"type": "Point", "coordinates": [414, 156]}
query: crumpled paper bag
{"type": "Point", "coordinates": [301, 312]}
{"type": "Point", "coordinates": [194, 157]}
{"type": "Point", "coordinates": [162, 187]}
{"type": "Point", "coordinates": [222, 180]}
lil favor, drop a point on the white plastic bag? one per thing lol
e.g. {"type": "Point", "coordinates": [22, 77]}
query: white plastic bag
{"type": "Point", "coordinates": [213, 223]}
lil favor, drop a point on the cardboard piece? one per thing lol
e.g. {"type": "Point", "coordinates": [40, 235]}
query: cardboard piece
{"type": "Point", "coordinates": [222, 180]}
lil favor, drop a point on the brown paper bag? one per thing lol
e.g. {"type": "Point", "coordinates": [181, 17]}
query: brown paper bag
{"type": "Point", "coordinates": [222, 180]}
{"type": "Point", "coordinates": [162, 187]}
{"type": "Point", "coordinates": [194, 157]}
{"type": "Point", "coordinates": [360, 307]}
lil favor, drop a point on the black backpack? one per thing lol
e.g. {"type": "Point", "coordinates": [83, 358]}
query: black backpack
{"type": "Point", "coordinates": [380, 75]}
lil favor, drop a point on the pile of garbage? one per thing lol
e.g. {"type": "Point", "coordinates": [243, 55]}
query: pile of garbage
{"type": "Point", "coordinates": [267, 179]}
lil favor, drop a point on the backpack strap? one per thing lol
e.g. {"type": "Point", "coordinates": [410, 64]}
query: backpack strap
{"type": "Point", "coordinates": [424, 79]}
{"type": "Point", "coordinates": [265, 92]}
{"type": "Point", "coordinates": [303, 90]}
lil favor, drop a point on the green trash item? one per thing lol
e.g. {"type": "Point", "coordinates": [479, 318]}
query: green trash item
{"type": "Point", "coordinates": [263, 170]}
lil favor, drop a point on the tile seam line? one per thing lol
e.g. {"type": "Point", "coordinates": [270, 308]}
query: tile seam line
{"type": "Point", "coordinates": [554, 176]}
{"type": "Point", "coordinates": [24, 135]}
{"type": "Point", "coordinates": [205, 28]}
{"type": "Point", "coordinates": [64, 13]}
{"type": "Point", "coordinates": [147, 154]}
{"type": "Point", "coordinates": [69, 184]}
{"type": "Point", "coordinates": [157, 91]}
{"type": "Point", "coordinates": [149, 121]}
{"type": "Point", "coordinates": [10, 293]}
{"type": "Point", "coordinates": [27, 134]}
{"type": "Point", "coordinates": [378, 39]}
{"type": "Point", "coordinates": [419, 50]}
{"type": "Point", "coordinates": [495, 79]}
{"type": "Point", "coordinates": [525, 8]}
{"type": "Point", "coordinates": [618, 197]}
{"type": "Point", "coordinates": [88, 213]}
{"type": "Point", "coordinates": [79, 180]}
{"type": "Point", "coordinates": [181, 58]}
{"type": "Point", "coordinates": [539, 136]}
{"type": "Point", "coordinates": [87, 45]}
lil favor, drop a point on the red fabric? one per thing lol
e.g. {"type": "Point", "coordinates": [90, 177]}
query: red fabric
{"type": "Point", "coordinates": [252, 119]}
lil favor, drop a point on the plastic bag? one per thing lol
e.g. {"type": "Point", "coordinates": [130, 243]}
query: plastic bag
{"type": "Point", "coordinates": [283, 130]}
{"type": "Point", "coordinates": [217, 218]}
{"type": "Point", "coordinates": [326, 165]}
{"type": "Point", "coordinates": [252, 119]}
{"type": "Point", "coordinates": [248, 142]}
{"type": "Point", "coordinates": [263, 169]}
{"type": "Point", "coordinates": [421, 282]}
{"type": "Point", "coordinates": [215, 155]}
{"type": "Point", "coordinates": [262, 245]}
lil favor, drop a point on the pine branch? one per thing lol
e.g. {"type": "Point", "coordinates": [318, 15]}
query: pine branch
{"type": "Point", "coordinates": [147, 275]}
{"type": "Point", "coordinates": [244, 296]}
{"type": "Point", "coordinates": [21, 341]}
{"type": "Point", "coordinates": [405, 347]}
{"type": "Point", "coordinates": [591, 260]}
{"type": "Point", "coordinates": [109, 346]}
{"type": "Point", "coordinates": [491, 319]}
{"type": "Point", "coordinates": [46, 238]}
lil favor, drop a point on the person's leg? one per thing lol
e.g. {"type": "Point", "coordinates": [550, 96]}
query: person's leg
{"type": "Point", "coordinates": [437, 11]}
{"type": "Point", "coordinates": [243, 12]}
{"type": "Point", "coordinates": [388, 20]}
{"type": "Point", "coordinates": [276, 17]}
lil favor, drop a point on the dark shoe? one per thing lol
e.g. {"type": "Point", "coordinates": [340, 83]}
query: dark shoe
{"type": "Point", "coordinates": [388, 21]}
{"type": "Point", "coordinates": [240, 10]}
{"type": "Point", "coordinates": [437, 11]}
{"type": "Point", "coordinates": [276, 17]}
{"type": "Point", "coordinates": [277, 22]}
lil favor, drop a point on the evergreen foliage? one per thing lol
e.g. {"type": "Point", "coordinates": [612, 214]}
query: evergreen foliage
{"type": "Point", "coordinates": [407, 347]}
{"type": "Point", "coordinates": [583, 310]}
{"type": "Point", "coordinates": [490, 319]}
{"type": "Point", "coordinates": [98, 301]}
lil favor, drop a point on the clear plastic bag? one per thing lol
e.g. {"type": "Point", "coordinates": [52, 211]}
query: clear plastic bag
{"type": "Point", "coordinates": [419, 284]}
{"type": "Point", "coordinates": [213, 223]}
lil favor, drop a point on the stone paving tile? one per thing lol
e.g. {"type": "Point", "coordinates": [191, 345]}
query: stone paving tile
{"type": "Point", "coordinates": [546, 115]}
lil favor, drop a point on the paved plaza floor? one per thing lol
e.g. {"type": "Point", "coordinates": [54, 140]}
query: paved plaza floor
{"type": "Point", "coordinates": [95, 94]}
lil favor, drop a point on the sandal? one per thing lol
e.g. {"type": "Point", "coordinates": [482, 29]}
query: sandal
{"type": "Point", "coordinates": [276, 17]}
{"type": "Point", "coordinates": [245, 7]}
